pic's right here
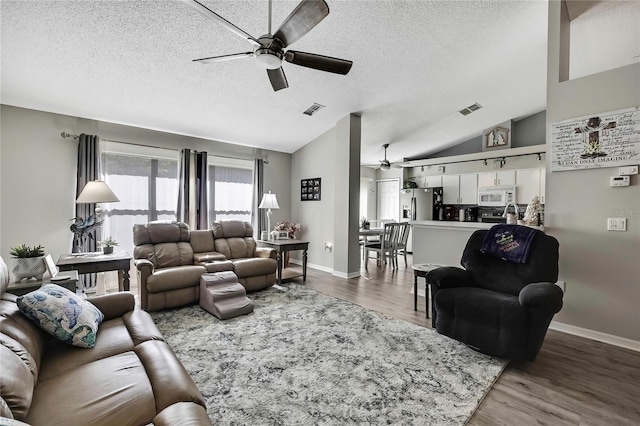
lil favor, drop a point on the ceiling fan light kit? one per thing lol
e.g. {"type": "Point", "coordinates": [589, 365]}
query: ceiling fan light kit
{"type": "Point", "coordinates": [269, 50]}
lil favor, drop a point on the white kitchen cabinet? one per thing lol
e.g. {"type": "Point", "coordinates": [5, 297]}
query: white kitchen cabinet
{"type": "Point", "coordinates": [502, 178]}
{"type": "Point", "coordinates": [450, 189]}
{"type": "Point", "coordinates": [460, 189]}
{"type": "Point", "coordinates": [432, 181]}
{"type": "Point", "coordinates": [527, 185]}
{"type": "Point", "coordinates": [469, 188]}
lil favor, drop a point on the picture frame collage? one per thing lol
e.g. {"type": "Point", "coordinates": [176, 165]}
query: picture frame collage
{"type": "Point", "coordinates": [310, 189]}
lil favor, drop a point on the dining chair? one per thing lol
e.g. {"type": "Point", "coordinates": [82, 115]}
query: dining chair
{"type": "Point", "coordinates": [403, 238]}
{"type": "Point", "coordinates": [385, 248]}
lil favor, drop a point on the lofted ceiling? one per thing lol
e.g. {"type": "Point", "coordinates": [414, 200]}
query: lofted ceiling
{"type": "Point", "coordinates": [415, 65]}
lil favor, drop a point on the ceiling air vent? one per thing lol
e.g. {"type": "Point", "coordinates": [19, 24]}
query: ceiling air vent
{"type": "Point", "coordinates": [313, 109]}
{"type": "Point", "coordinates": [471, 108]}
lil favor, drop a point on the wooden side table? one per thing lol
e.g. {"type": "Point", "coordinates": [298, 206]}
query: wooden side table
{"type": "Point", "coordinates": [421, 270]}
{"type": "Point", "coordinates": [282, 246]}
{"type": "Point", "coordinates": [87, 263]}
{"type": "Point", "coordinates": [24, 287]}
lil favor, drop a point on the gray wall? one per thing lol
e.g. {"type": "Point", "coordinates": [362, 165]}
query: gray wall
{"type": "Point", "coordinates": [602, 269]}
{"type": "Point", "coordinates": [38, 169]}
{"type": "Point", "coordinates": [316, 159]}
{"type": "Point", "coordinates": [525, 132]}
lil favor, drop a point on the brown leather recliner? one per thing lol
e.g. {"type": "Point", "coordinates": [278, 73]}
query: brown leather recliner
{"type": "Point", "coordinates": [170, 259]}
{"type": "Point", "coordinates": [130, 377]}
{"type": "Point", "coordinates": [255, 266]}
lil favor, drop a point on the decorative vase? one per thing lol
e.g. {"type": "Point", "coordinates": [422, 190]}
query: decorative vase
{"type": "Point", "coordinates": [28, 267]}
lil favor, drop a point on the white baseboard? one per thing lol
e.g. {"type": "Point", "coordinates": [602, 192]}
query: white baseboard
{"type": "Point", "coordinates": [599, 336]}
{"type": "Point", "coordinates": [345, 275]}
{"type": "Point", "coordinates": [327, 269]}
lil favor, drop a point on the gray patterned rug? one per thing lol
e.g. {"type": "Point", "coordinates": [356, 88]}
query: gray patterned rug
{"type": "Point", "coordinates": [304, 358]}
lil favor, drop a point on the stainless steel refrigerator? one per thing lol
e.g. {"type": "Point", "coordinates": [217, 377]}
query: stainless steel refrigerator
{"type": "Point", "coordinates": [416, 204]}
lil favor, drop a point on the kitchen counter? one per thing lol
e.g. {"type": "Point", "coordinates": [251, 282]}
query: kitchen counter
{"type": "Point", "coordinates": [451, 224]}
{"type": "Point", "coordinates": [442, 242]}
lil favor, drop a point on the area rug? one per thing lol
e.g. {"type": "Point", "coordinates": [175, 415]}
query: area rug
{"type": "Point", "coordinates": [304, 358]}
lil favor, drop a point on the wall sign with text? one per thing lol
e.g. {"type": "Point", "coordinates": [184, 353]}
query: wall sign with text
{"type": "Point", "coordinates": [310, 189]}
{"type": "Point", "coordinates": [609, 139]}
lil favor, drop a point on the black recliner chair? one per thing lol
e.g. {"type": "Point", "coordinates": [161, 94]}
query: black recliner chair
{"type": "Point", "coordinates": [496, 306]}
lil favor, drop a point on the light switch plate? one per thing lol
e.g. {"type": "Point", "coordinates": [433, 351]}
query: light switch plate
{"type": "Point", "coordinates": [628, 170]}
{"type": "Point", "coordinates": [616, 224]}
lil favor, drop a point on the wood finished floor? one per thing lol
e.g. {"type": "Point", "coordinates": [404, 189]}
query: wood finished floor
{"type": "Point", "coordinates": [574, 381]}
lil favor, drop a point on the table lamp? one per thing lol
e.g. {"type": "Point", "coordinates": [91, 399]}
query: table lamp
{"type": "Point", "coordinates": [96, 192]}
{"type": "Point", "coordinates": [269, 201]}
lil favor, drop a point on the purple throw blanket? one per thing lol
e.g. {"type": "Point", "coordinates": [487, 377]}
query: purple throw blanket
{"type": "Point", "coordinates": [509, 242]}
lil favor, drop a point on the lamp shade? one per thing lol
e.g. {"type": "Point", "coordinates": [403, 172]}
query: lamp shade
{"type": "Point", "coordinates": [96, 191]}
{"type": "Point", "coordinates": [269, 201]}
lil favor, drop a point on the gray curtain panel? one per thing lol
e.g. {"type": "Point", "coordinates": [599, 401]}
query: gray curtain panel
{"type": "Point", "coordinates": [184, 173]}
{"type": "Point", "coordinates": [88, 169]}
{"type": "Point", "coordinates": [193, 205]}
{"type": "Point", "coordinates": [202, 201]}
{"type": "Point", "coordinates": [258, 216]}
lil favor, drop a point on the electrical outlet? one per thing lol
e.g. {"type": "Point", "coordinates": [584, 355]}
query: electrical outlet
{"type": "Point", "coordinates": [616, 224]}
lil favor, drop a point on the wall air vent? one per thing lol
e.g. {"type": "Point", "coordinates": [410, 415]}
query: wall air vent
{"type": "Point", "coordinates": [471, 108]}
{"type": "Point", "coordinates": [313, 109]}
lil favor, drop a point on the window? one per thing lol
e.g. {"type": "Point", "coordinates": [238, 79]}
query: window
{"type": "Point", "coordinates": [230, 189]}
{"type": "Point", "coordinates": [145, 180]}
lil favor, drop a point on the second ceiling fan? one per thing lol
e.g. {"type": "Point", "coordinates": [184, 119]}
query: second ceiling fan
{"type": "Point", "coordinates": [269, 49]}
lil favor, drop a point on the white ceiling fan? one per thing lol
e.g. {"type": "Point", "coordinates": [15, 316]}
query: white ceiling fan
{"type": "Point", "coordinates": [269, 49]}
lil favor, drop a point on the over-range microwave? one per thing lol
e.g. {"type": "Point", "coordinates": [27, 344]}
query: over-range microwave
{"type": "Point", "coordinates": [496, 196]}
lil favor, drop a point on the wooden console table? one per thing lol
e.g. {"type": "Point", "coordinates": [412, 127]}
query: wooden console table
{"type": "Point", "coordinates": [282, 246]}
{"type": "Point", "coordinates": [87, 263]}
{"type": "Point", "coordinates": [24, 287]}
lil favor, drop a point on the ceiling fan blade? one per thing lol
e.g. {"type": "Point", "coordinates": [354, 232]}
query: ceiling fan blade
{"type": "Point", "coordinates": [222, 58]}
{"type": "Point", "coordinates": [318, 62]}
{"type": "Point", "coordinates": [303, 18]}
{"type": "Point", "coordinates": [278, 79]}
{"type": "Point", "coordinates": [208, 13]}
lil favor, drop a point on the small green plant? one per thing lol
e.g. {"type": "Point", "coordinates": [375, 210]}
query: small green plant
{"type": "Point", "coordinates": [109, 242]}
{"type": "Point", "coordinates": [364, 223]}
{"type": "Point", "coordinates": [24, 250]}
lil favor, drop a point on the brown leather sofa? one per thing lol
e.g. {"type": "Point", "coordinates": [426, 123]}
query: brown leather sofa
{"type": "Point", "coordinates": [130, 377]}
{"type": "Point", "coordinates": [170, 258]}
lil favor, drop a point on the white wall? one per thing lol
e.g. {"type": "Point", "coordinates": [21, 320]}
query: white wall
{"type": "Point", "coordinates": [602, 269]}
{"type": "Point", "coordinates": [38, 172]}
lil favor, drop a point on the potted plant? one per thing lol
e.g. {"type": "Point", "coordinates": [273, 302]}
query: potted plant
{"type": "Point", "coordinates": [28, 262]}
{"type": "Point", "coordinates": [108, 244]}
{"type": "Point", "coordinates": [364, 223]}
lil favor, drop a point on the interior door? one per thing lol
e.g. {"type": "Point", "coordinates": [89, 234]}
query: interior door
{"type": "Point", "coordinates": [389, 199]}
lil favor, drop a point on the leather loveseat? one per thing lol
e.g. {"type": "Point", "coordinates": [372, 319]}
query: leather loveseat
{"type": "Point", "coordinates": [130, 377]}
{"type": "Point", "coordinates": [170, 258]}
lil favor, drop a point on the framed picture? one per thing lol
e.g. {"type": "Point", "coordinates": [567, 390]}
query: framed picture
{"type": "Point", "coordinates": [310, 189]}
{"type": "Point", "coordinates": [282, 235]}
{"type": "Point", "coordinates": [51, 265]}
{"type": "Point", "coordinates": [498, 137]}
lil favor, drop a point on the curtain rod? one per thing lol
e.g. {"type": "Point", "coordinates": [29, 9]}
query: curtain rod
{"type": "Point", "coordinates": [66, 135]}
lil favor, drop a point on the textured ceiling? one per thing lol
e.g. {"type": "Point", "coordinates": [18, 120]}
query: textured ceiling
{"type": "Point", "coordinates": [416, 63]}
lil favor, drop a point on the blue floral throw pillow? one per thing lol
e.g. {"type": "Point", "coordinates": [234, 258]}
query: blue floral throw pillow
{"type": "Point", "coordinates": [62, 314]}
